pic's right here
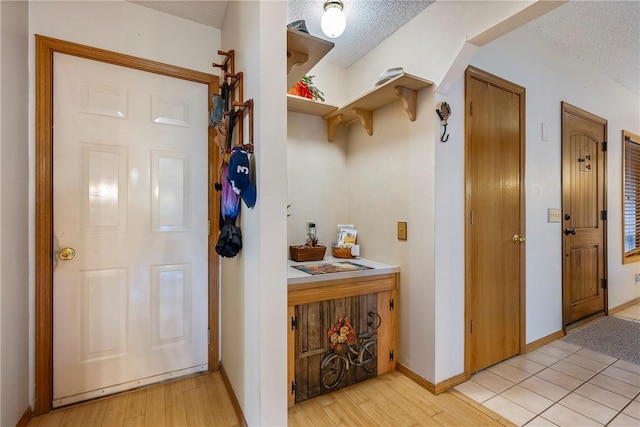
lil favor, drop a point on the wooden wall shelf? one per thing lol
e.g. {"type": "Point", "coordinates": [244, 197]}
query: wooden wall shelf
{"type": "Point", "coordinates": [307, 106]}
{"type": "Point", "coordinates": [304, 51]}
{"type": "Point", "coordinates": [404, 86]}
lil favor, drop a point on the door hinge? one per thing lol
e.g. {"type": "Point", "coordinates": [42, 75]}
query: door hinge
{"type": "Point", "coordinates": [391, 304]}
{"type": "Point", "coordinates": [471, 108]}
{"type": "Point", "coordinates": [603, 215]}
{"type": "Point", "coordinates": [471, 217]}
{"type": "Point", "coordinates": [605, 284]}
{"type": "Point", "coordinates": [471, 327]}
{"type": "Point", "coordinates": [391, 356]}
{"type": "Point", "coordinates": [604, 145]}
{"type": "Point", "coordinates": [209, 336]}
{"type": "Point", "coordinates": [208, 227]}
{"type": "Point", "coordinates": [294, 323]}
{"type": "Point", "coordinates": [294, 387]}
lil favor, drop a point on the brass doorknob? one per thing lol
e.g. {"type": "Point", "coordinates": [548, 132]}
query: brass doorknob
{"type": "Point", "coordinates": [518, 239]}
{"type": "Point", "coordinates": [66, 254]}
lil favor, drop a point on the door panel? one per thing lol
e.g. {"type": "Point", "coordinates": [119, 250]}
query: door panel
{"type": "Point", "coordinates": [583, 203]}
{"type": "Point", "coordinates": [495, 215]}
{"type": "Point", "coordinates": [130, 196]}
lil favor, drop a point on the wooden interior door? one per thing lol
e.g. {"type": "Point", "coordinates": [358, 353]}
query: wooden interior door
{"type": "Point", "coordinates": [494, 246]}
{"type": "Point", "coordinates": [584, 214]}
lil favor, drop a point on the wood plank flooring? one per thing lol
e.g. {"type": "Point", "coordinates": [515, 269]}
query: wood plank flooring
{"type": "Point", "coordinates": [388, 400]}
{"type": "Point", "coordinates": [391, 399]}
{"type": "Point", "coordinates": [200, 400]}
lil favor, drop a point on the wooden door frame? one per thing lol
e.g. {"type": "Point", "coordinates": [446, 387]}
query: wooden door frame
{"type": "Point", "coordinates": [45, 49]}
{"type": "Point", "coordinates": [571, 109]}
{"type": "Point", "coordinates": [473, 72]}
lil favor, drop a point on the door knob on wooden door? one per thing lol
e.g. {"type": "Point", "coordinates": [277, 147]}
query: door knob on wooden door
{"type": "Point", "coordinates": [518, 239]}
{"type": "Point", "coordinates": [568, 231]}
{"type": "Point", "coordinates": [66, 254]}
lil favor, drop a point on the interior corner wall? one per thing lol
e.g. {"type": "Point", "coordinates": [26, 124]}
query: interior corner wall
{"type": "Point", "coordinates": [331, 80]}
{"type": "Point", "coordinates": [317, 169]}
{"type": "Point", "coordinates": [14, 213]}
{"type": "Point", "coordinates": [391, 179]}
{"type": "Point", "coordinates": [317, 179]}
{"type": "Point", "coordinates": [550, 77]}
{"type": "Point", "coordinates": [254, 291]}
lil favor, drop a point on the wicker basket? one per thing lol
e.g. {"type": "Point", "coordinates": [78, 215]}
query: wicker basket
{"type": "Point", "coordinates": [339, 252]}
{"type": "Point", "coordinates": [307, 253]}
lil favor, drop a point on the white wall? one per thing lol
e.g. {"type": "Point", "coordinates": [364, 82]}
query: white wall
{"type": "Point", "coordinates": [128, 28]}
{"type": "Point", "coordinates": [331, 80]}
{"type": "Point", "coordinates": [318, 179]}
{"type": "Point", "coordinates": [14, 213]}
{"type": "Point", "coordinates": [254, 292]}
{"type": "Point", "coordinates": [391, 179]}
{"type": "Point", "coordinates": [117, 26]}
{"type": "Point", "coordinates": [550, 77]}
{"type": "Point", "coordinates": [428, 44]}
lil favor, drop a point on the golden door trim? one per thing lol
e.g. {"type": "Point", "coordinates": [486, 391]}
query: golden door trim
{"type": "Point", "coordinates": [45, 48]}
{"type": "Point", "coordinates": [476, 73]}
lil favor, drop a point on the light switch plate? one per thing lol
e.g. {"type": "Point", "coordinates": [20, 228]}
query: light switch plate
{"type": "Point", "coordinates": [554, 215]}
{"type": "Point", "coordinates": [402, 231]}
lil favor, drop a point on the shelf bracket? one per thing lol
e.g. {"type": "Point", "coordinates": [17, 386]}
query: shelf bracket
{"type": "Point", "coordinates": [409, 99]}
{"type": "Point", "coordinates": [366, 118]}
{"type": "Point", "coordinates": [295, 58]}
{"type": "Point", "coordinates": [332, 124]}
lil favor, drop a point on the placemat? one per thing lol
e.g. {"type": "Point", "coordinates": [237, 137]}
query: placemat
{"type": "Point", "coordinates": [331, 267]}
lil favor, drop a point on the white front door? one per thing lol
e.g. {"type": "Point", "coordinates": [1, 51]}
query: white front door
{"type": "Point", "coordinates": [130, 198]}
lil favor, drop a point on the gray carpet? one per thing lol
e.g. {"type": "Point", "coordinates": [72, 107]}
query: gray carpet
{"type": "Point", "coordinates": [612, 336]}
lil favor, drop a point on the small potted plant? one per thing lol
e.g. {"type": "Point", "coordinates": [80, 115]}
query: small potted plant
{"type": "Point", "coordinates": [306, 89]}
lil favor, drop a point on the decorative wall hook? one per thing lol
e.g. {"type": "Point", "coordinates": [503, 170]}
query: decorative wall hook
{"type": "Point", "coordinates": [444, 111]}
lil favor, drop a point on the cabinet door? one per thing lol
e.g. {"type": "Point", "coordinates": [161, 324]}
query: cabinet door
{"type": "Point", "coordinates": [291, 350]}
{"type": "Point", "coordinates": [312, 342]}
{"type": "Point", "coordinates": [387, 310]}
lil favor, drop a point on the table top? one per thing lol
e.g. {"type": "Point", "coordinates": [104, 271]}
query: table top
{"type": "Point", "coordinates": [295, 276]}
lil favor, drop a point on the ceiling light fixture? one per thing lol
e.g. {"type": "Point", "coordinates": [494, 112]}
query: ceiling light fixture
{"type": "Point", "coordinates": [333, 20]}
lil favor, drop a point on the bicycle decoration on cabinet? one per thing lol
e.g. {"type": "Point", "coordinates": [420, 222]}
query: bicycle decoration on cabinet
{"type": "Point", "coordinates": [347, 350]}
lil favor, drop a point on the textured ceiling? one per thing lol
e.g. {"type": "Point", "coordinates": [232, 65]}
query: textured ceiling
{"type": "Point", "coordinates": [604, 34]}
{"type": "Point", "coordinates": [368, 23]}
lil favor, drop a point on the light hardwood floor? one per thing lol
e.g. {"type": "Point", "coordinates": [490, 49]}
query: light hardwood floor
{"type": "Point", "coordinates": [194, 401]}
{"type": "Point", "coordinates": [389, 400]}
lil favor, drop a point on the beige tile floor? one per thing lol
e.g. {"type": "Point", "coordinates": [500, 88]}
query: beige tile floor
{"type": "Point", "coordinates": [562, 384]}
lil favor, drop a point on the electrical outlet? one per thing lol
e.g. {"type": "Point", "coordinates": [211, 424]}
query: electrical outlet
{"type": "Point", "coordinates": [554, 215]}
{"type": "Point", "coordinates": [637, 278]}
{"type": "Point", "coordinates": [402, 231]}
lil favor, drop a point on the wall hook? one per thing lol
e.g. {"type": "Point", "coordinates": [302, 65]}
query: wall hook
{"type": "Point", "coordinates": [444, 111]}
{"type": "Point", "coordinates": [442, 138]}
